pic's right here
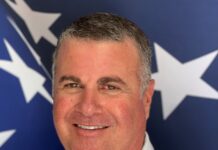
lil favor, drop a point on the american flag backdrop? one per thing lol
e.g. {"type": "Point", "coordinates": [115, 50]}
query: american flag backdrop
{"type": "Point", "coordinates": [184, 40]}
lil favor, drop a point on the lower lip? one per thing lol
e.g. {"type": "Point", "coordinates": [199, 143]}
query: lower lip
{"type": "Point", "coordinates": [89, 133]}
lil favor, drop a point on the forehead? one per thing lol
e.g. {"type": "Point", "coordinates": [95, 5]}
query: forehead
{"type": "Point", "coordinates": [85, 55]}
{"type": "Point", "coordinates": [125, 47]}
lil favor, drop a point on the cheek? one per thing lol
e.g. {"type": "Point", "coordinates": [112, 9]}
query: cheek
{"type": "Point", "coordinates": [61, 108]}
{"type": "Point", "coordinates": [123, 114]}
{"type": "Point", "coordinates": [129, 114]}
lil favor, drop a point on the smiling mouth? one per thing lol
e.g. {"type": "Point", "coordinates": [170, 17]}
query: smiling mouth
{"type": "Point", "coordinates": [89, 127]}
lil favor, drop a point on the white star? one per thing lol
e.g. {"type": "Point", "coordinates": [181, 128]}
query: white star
{"type": "Point", "coordinates": [30, 48]}
{"type": "Point", "coordinates": [38, 23]}
{"type": "Point", "coordinates": [30, 80]}
{"type": "Point", "coordinates": [5, 135]}
{"type": "Point", "coordinates": [176, 80]}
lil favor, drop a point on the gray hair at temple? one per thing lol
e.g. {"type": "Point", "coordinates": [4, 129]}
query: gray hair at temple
{"type": "Point", "coordinates": [105, 26]}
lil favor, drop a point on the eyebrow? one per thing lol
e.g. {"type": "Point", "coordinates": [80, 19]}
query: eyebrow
{"type": "Point", "coordinates": [105, 80]}
{"type": "Point", "coordinates": [69, 78]}
{"type": "Point", "coordinates": [102, 81]}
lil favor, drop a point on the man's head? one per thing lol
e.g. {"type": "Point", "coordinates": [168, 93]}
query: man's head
{"type": "Point", "coordinates": [102, 88]}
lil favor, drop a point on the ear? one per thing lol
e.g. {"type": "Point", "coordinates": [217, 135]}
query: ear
{"type": "Point", "coordinates": [147, 97]}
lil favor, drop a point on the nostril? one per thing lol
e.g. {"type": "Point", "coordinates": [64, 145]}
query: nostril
{"type": "Point", "coordinates": [88, 108]}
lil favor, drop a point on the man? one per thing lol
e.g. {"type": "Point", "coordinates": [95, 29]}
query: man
{"type": "Point", "coordinates": [102, 87]}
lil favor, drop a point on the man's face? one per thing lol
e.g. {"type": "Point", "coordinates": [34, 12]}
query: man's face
{"type": "Point", "coordinates": [97, 101]}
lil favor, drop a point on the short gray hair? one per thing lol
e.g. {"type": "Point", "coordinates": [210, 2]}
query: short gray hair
{"type": "Point", "coordinates": [106, 26]}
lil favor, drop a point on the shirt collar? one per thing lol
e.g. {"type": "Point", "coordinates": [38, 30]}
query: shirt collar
{"type": "Point", "coordinates": [147, 144]}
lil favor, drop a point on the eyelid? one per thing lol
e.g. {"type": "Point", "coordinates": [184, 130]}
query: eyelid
{"type": "Point", "coordinates": [66, 78]}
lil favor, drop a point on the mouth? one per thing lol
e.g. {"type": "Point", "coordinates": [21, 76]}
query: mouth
{"type": "Point", "coordinates": [90, 127]}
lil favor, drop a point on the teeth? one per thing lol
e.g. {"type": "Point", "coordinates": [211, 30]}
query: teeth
{"type": "Point", "coordinates": [90, 127]}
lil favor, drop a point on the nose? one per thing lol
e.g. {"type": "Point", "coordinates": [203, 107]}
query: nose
{"type": "Point", "coordinates": [89, 103]}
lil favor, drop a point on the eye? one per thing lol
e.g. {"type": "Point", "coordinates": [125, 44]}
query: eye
{"type": "Point", "coordinates": [72, 85]}
{"type": "Point", "coordinates": [109, 87]}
